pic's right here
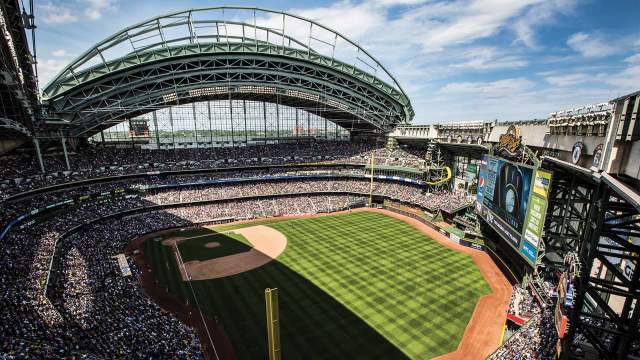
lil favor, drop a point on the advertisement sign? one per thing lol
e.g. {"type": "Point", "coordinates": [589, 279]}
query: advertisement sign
{"type": "Point", "coordinates": [512, 198]}
{"type": "Point", "coordinates": [538, 208]}
{"type": "Point", "coordinates": [481, 181]}
{"type": "Point", "coordinates": [472, 170]}
{"type": "Point", "coordinates": [138, 128]}
{"type": "Point", "coordinates": [542, 183]}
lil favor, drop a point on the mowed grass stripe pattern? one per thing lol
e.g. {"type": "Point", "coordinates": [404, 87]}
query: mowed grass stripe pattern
{"type": "Point", "coordinates": [360, 285]}
{"type": "Point", "coordinates": [415, 292]}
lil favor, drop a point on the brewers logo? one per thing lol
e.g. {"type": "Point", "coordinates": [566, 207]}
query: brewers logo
{"type": "Point", "coordinates": [576, 152]}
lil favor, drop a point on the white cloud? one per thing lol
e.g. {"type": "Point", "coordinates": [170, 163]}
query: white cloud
{"type": "Point", "coordinates": [633, 58]}
{"type": "Point", "coordinates": [431, 26]}
{"type": "Point", "coordinates": [537, 15]}
{"type": "Point", "coordinates": [626, 80]}
{"type": "Point", "coordinates": [498, 88]}
{"type": "Point", "coordinates": [427, 43]}
{"type": "Point", "coordinates": [398, 2]}
{"type": "Point", "coordinates": [488, 58]}
{"type": "Point", "coordinates": [590, 45]}
{"type": "Point", "coordinates": [568, 79]}
{"type": "Point", "coordinates": [48, 68]}
{"type": "Point", "coordinates": [59, 53]}
{"type": "Point", "coordinates": [525, 105]}
{"type": "Point", "coordinates": [463, 22]}
{"type": "Point", "coordinates": [57, 14]}
{"type": "Point", "coordinates": [95, 8]}
{"type": "Point", "coordinates": [353, 20]}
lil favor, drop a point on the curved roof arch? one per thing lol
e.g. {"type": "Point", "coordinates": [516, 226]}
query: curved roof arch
{"type": "Point", "coordinates": [171, 56]}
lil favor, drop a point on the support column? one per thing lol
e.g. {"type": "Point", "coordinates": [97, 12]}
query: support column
{"type": "Point", "coordinates": [131, 135]}
{"type": "Point", "coordinates": [155, 125]}
{"type": "Point", "coordinates": [210, 127]}
{"type": "Point", "coordinates": [66, 155]}
{"type": "Point", "coordinates": [244, 114]}
{"type": "Point", "coordinates": [102, 137]}
{"type": "Point", "coordinates": [195, 123]}
{"type": "Point", "coordinates": [37, 144]}
{"type": "Point", "coordinates": [264, 114]}
{"type": "Point", "coordinates": [297, 131]}
{"type": "Point", "coordinates": [326, 133]}
{"type": "Point", "coordinates": [612, 131]}
{"type": "Point", "coordinates": [278, 120]}
{"type": "Point", "coordinates": [233, 140]}
{"type": "Point", "coordinates": [173, 135]}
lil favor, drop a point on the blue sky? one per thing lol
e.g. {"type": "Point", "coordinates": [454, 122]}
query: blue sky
{"type": "Point", "coordinates": [457, 60]}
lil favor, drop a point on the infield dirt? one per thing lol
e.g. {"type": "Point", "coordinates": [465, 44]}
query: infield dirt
{"type": "Point", "coordinates": [267, 244]}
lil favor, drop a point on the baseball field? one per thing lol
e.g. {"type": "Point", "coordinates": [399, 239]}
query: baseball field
{"type": "Point", "coordinates": [359, 285]}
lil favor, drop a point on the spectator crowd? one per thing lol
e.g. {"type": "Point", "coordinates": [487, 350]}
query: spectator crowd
{"type": "Point", "coordinates": [538, 337]}
{"type": "Point", "coordinates": [62, 295]}
{"type": "Point", "coordinates": [82, 307]}
{"type": "Point", "coordinates": [404, 192]}
{"type": "Point", "coordinates": [21, 172]}
{"type": "Point", "coordinates": [536, 340]}
{"type": "Point", "coordinates": [348, 180]}
{"type": "Point", "coordinates": [523, 304]}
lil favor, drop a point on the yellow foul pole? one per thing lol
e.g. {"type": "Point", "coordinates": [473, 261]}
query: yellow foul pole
{"type": "Point", "coordinates": [273, 323]}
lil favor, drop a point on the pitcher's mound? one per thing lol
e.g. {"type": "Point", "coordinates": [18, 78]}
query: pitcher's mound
{"type": "Point", "coordinates": [268, 244]}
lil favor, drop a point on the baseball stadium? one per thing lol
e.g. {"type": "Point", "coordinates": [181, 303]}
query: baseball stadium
{"type": "Point", "coordinates": [237, 182]}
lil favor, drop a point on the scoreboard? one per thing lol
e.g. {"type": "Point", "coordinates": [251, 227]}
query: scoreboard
{"type": "Point", "coordinates": [512, 198]}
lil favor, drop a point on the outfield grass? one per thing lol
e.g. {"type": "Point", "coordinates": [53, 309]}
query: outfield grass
{"type": "Point", "coordinates": [354, 286]}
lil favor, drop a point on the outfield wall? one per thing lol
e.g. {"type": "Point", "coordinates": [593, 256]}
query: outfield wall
{"type": "Point", "coordinates": [513, 266]}
{"type": "Point", "coordinates": [453, 237]}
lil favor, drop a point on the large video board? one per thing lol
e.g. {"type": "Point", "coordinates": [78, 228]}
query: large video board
{"type": "Point", "coordinates": [138, 128]}
{"type": "Point", "coordinates": [512, 198]}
